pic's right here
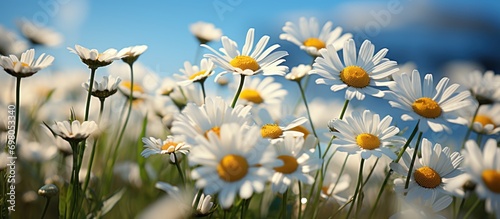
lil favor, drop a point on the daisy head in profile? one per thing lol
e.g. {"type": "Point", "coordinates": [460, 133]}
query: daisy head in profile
{"type": "Point", "coordinates": [366, 134]}
{"type": "Point", "coordinates": [73, 131]}
{"type": "Point", "coordinates": [359, 74]}
{"type": "Point", "coordinates": [205, 32]}
{"type": "Point", "coordinates": [487, 120]}
{"type": "Point", "coordinates": [298, 72]}
{"type": "Point", "coordinates": [482, 166]}
{"type": "Point", "coordinates": [195, 73]}
{"type": "Point", "coordinates": [38, 35]}
{"type": "Point", "coordinates": [170, 146]}
{"type": "Point", "coordinates": [105, 88]}
{"type": "Point", "coordinates": [485, 87]}
{"type": "Point", "coordinates": [93, 59]}
{"type": "Point", "coordinates": [250, 60]}
{"type": "Point", "coordinates": [235, 162]}
{"type": "Point", "coordinates": [25, 66]}
{"type": "Point", "coordinates": [130, 54]}
{"type": "Point", "coordinates": [310, 38]}
{"type": "Point", "coordinates": [433, 106]}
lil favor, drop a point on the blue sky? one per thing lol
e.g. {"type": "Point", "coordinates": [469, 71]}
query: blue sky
{"type": "Point", "coordinates": [420, 28]}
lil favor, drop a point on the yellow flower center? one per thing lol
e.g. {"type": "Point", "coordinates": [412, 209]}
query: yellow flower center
{"type": "Point", "coordinates": [232, 168]}
{"type": "Point", "coordinates": [426, 107]}
{"type": "Point", "coordinates": [244, 63]}
{"type": "Point", "coordinates": [251, 95]}
{"type": "Point", "coordinates": [484, 120]}
{"type": "Point", "coordinates": [24, 64]}
{"type": "Point", "coordinates": [355, 76]}
{"type": "Point", "coordinates": [324, 189]}
{"type": "Point", "coordinates": [215, 129]}
{"type": "Point", "coordinates": [289, 164]}
{"type": "Point", "coordinates": [200, 73]}
{"type": "Point", "coordinates": [368, 141]}
{"type": "Point", "coordinates": [491, 179]}
{"type": "Point", "coordinates": [169, 146]}
{"type": "Point", "coordinates": [137, 87]}
{"type": "Point", "coordinates": [271, 131]}
{"type": "Point", "coordinates": [314, 42]}
{"type": "Point", "coordinates": [427, 177]}
{"type": "Point", "coordinates": [301, 129]}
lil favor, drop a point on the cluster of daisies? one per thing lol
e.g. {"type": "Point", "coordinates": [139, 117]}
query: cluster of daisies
{"type": "Point", "coordinates": [232, 152]}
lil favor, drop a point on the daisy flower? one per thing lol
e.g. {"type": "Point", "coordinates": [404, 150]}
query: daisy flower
{"type": "Point", "coordinates": [200, 120]}
{"type": "Point", "coordinates": [431, 173]}
{"type": "Point", "coordinates": [275, 129]}
{"type": "Point", "coordinates": [171, 145]}
{"type": "Point", "coordinates": [262, 92]}
{"type": "Point", "coordinates": [484, 87]}
{"type": "Point", "coordinates": [261, 60]}
{"type": "Point", "coordinates": [107, 87]}
{"type": "Point", "coordinates": [74, 131]}
{"type": "Point", "coordinates": [358, 74]}
{"type": "Point", "coordinates": [205, 32]}
{"type": "Point", "coordinates": [298, 162]}
{"type": "Point", "coordinates": [132, 53]}
{"type": "Point", "coordinates": [26, 66]}
{"type": "Point", "coordinates": [487, 120]}
{"type": "Point", "coordinates": [434, 107]}
{"type": "Point", "coordinates": [193, 73]}
{"type": "Point", "coordinates": [238, 161]}
{"type": "Point", "coordinates": [424, 208]}
{"type": "Point", "coordinates": [334, 185]}
{"type": "Point", "coordinates": [367, 135]}
{"type": "Point", "coordinates": [93, 59]}
{"type": "Point", "coordinates": [39, 35]}
{"type": "Point", "coordinates": [298, 72]}
{"type": "Point", "coordinates": [10, 42]}
{"type": "Point", "coordinates": [483, 168]}
{"type": "Point", "coordinates": [205, 202]}
{"type": "Point", "coordinates": [308, 37]}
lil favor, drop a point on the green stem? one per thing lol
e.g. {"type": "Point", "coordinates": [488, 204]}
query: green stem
{"type": "Point", "coordinates": [202, 84]}
{"type": "Point", "coordinates": [379, 195]}
{"type": "Point", "coordinates": [346, 102]}
{"type": "Point", "coordinates": [341, 208]}
{"type": "Point", "coordinates": [244, 207]}
{"type": "Point", "coordinates": [89, 93]}
{"type": "Point", "coordinates": [413, 159]}
{"type": "Point", "coordinates": [299, 216]}
{"type": "Point", "coordinates": [179, 169]}
{"type": "Point", "coordinates": [283, 205]}
{"type": "Point", "coordinates": [45, 207]}
{"type": "Point", "coordinates": [323, 167]}
{"type": "Point", "coordinates": [462, 203]}
{"type": "Point", "coordinates": [122, 131]}
{"type": "Point", "coordinates": [18, 104]}
{"type": "Point", "coordinates": [472, 208]}
{"type": "Point", "coordinates": [370, 174]}
{"type": "Point", "coordinates": [92, 153]}
{"type": "Point", "coordinates": [360, 178]}
{"type": "Point", "coordinates": [304, 87]}
{"type": "Point", "coordinates": [340, 174]}
{"type": "Point", "coordinates": [469, 129]}
{"type": "Point", "coordinates": [302, 93]}
{"type": "Point", "coordinates": [237, 94]}
{"type": "Point", "coordinates": [74, 179]}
